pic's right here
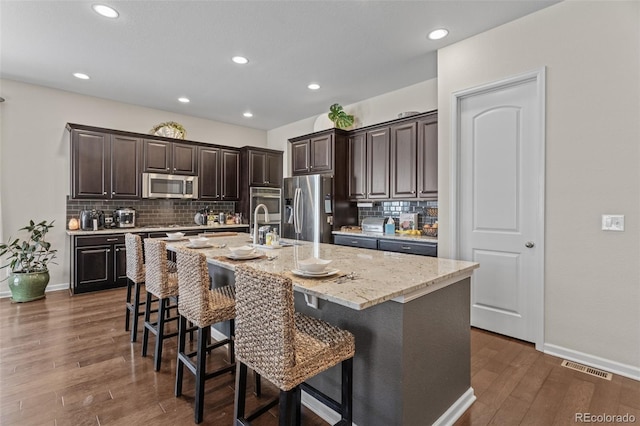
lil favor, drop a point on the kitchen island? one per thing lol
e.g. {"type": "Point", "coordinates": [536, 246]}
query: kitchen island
{"type": "Point", "coordinates": [410, 318]}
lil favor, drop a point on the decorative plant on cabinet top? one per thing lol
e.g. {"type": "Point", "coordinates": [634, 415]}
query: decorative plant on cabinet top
{"type": "Point", "coordinates": [340, 118]}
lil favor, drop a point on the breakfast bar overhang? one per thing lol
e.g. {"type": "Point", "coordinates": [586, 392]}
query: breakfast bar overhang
{"type": "Point", "coordinates": [410, 318]}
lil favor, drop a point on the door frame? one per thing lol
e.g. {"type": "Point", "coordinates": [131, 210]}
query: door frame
{"type": "Point", "coordinates": [539, 77]}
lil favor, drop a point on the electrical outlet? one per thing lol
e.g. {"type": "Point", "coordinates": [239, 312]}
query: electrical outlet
{"type": "Point", "coordinates": [613, 222]}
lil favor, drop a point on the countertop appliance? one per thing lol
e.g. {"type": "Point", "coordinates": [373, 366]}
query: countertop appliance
{"type": "Point", "coordinates": [272, 199]}
{"type": "Point", "coordinates": [91, 220]}
{"type": "Point", "coordinates": [311, 208]}
{"type": "Point", "coordinates": [158, 185]}
{"type": "Point", "coordinates": [125, 217]}
{"type": "Point", "coordinates": [373, 224]}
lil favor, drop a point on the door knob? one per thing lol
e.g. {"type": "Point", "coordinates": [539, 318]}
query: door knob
{"type": "Point", "coordinates": [529, 244]}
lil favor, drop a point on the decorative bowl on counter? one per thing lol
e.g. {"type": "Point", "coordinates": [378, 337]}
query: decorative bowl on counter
{"type": "Point", "coordinates": [241, 251]}
{"type": "Point", "coordinates": [199, 242]}
{"type": "Point", "coordinates": [313, 264]}
{"type": "Point", "coordinates": [175, 235]}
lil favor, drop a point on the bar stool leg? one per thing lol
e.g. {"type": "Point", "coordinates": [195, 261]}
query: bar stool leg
{"type": "Point", "coordinates": [134, 311]}
{"type": "Point", "coordinates": [241, 389]}
{"type": "Point", "coordinates": [285, 411]}
{"type": "Point", "coordinates": [147, 320]}
{"type": "Point", "coordinates": [128, 304]}
{"type": "Point", "coordinates": [201, 370]}
{"type": "Point", "coordinates": [162, 313]}
{"type": "Point", "coordinates": [182, 337]}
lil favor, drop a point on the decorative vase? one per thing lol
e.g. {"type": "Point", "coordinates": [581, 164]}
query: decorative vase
{"type": "Point", "coordinates": [28, 286]}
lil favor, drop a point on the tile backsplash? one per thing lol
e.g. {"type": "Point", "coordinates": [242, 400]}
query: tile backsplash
{"type": "Point", "coordinates": [151, 212]}
{"type": "Point", "coordinates": [394, 208]}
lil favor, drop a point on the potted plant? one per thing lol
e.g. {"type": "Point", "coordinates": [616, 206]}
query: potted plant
{"type": "Point", "coordinates": [28, 260]}
{"type": "Point", "coordinates": [340, 118]}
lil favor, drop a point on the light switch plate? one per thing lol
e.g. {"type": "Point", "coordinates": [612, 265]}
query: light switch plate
{"type": "Point", "coordinates": [613, 222]}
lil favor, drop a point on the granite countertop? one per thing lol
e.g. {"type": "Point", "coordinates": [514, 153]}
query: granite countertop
{"type": "Point", "coordinates": [155, 229]}
{"type": "Point", "coordinates": [379, 276]}
{"type": "Point", "coordinates": [380, 236]}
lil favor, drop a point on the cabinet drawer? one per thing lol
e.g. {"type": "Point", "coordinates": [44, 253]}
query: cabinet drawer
{"type": "Point", "coordinates": [344, 240]}
{"type": "Point", "coordinates": [424, 249]}
{"type": "Point", "coordinates": [95, 240]}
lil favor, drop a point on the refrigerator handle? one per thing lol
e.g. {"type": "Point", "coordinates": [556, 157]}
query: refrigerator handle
{"type": "Point", "coordinates": [297, 216]}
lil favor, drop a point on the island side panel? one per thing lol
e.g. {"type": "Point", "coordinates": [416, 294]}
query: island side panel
{"type": "Point", "coordinates": [436, 353]}
{"type": "Point", "coordinates": [377, 366]}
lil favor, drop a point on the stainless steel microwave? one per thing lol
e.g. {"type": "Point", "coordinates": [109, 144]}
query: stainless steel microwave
{"type": "Point", "coordinates": [157, 185]}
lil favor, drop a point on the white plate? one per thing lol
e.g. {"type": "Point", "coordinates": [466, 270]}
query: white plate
{"type": "Point", "coordinates": [258, 246]}
{"type": "Point", "coordinates": [315, 274]}
{"type": "Point", "coordinates": [244, 257]}
{"type": "Point", "coordinates": [175, 239]}
{"type": "Point", "coordinates": [191, 246]}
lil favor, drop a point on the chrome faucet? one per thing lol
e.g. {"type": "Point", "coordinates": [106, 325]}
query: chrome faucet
{"type": "Point", "coordinates": [255, 221]}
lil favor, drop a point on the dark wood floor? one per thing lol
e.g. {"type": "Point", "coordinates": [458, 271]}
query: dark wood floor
{"type": "Point", "coordinates": [68, 361]}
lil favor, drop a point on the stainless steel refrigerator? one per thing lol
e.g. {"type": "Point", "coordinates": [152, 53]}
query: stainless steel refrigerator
{"type": "Point", "coordinates": [311, 210]}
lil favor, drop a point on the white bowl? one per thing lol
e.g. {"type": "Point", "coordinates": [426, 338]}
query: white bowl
{"type": "Point", "coordinates": [175, 235]}
{"type": "Point", "coordinates": [242, 250]}
{"type": "Point", "coordinates": [198, 242]}
{"type": "Point", "coordinates": [313, 264]}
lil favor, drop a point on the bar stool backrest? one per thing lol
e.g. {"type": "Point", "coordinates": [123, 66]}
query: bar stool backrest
{"type": "Point", "coordinates": [265, 322]}
{"type": "Point", "coordinates": [157, 270]}
{"type": "Point", "coordinates": [194, 288]}
{"type": "Point", "coordinates": [135, 262]}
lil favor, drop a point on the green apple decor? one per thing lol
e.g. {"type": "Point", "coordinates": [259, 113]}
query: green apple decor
{"type": "Point", "coordinates": [28, 260]}
{"type": "Point", "coordinates": [340, 119]}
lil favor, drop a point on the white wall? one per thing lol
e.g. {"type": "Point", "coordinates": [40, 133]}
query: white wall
{"type": "Point", "coordinates": [34, 152]}
{"type": "Point", "coordinates": [421, 97]}
{"type": "Point", "coordinates": [592, 54]}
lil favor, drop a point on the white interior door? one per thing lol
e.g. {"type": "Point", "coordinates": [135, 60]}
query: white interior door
{"type": "Point", "coordinates": [500, 139]}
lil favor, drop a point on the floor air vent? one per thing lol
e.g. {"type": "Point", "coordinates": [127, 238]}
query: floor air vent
{"type": "Point", "coordinates": [587, 370]}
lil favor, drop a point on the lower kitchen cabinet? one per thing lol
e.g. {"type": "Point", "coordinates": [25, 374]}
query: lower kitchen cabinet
{"type": "Point", "coordinates": [423, 248]}
{"type": "Point", "coordinates": [98, 263]}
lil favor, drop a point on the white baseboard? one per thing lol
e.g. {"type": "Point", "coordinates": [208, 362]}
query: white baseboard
{"type": "Point", "coordinates": [457, 409]}
{"type": "Point", "coordinates": [50, 288]}
{"type": "Point", "coordinates": [630, 371]}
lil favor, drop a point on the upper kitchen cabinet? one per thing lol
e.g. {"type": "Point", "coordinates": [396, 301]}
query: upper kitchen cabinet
{"type": "Point", "coordinates": [229, 174]}
{"type": "Point", "coordinates": [358, 165]}
{"type": "Point", "coordinates": [378, 163]}
{"type": "Point", "coordinates": [316, 153]}
{"type": "Point", "coordinates": [428, 157]}
{"type": "Point", "coordinates": [104, 165]}
{"type": "Point", "coordinates": [404, 161]}
{"type": "Point", "coordinates": [170, 157]}
{"type": "Point", "coordinates": [209, 177]}
{"type": "Point", "coordinates": [263, 167]}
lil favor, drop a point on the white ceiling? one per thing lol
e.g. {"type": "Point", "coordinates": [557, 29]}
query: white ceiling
{"type": "Point", "coordinates": [157, 51]}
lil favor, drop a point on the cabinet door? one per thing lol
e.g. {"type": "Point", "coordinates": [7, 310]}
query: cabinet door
{"type": "Point", "coordinates": [428, 158]}
{"type": "Point", "coordinates": [273, 170]}
{"type": "Point", "coordinates": [157, 156]}
{"type": "Point", "coordinates": [120, 265]}
{"type": "Point", "coordinates": [404, 140]}
{"type": "Point", "coordinates": [94, 268]}
{"type": "Point", "coordinates": [230, 173]}
{"type": "Point", "coordinates": [345, 240]}
{"type": "Point", "coordinates": [257, 172]}
{"type": "Point", "coordinates": [358, 166]}
{"type": "Point", "coordinates": [125, 167]}
{"type": "Point", "coordinates": [91, 164]}
{"type": "Point", "coordinates": [378, 163]}
{"type": "Point", "coordinates": [209, 177]}
{"type": "Point", "coordinates": [184, 159]}
{"type": "Point", "coordinates": [300, 157]}
{"type": "Point", "coordinates": [321, 158]}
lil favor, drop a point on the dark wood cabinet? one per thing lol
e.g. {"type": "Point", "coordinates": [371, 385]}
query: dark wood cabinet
{"type": "Point", "coordinates": [315, 153]}
{"type": "Point", "coordinates": [104, 166]}
{"type": "Point", "coordinates": [428, 157]}
{"type": "Point", "coordinates": [263, 167]}
{"type": "Point", "coordinates": [99, 263]}
{"type": "Point", "coordinates": [378, 163]}
{"type": "Point", "coordinates": [404, 144]}
{"type": "Point", "coordinates": [169, 157]}
{"type": "Point", "coordinates": [209, 177]}
{"type": "Point", "coordinates": [358, 166]}
{"type": "Point", "coordinates": [229, 174]}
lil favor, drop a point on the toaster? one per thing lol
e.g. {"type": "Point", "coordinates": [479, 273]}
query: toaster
{"type": "Point", "coordinates": [373, 224]}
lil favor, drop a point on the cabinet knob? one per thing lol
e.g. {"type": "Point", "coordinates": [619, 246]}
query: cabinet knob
{"type": "Point", "coordinates": [406, 247]}
{"type": "Point", "coordinates": [104, 193]}
{"type": "Point", "coordinates": [113, 192]}
{"type": "Point", "coordinates": [413, 192]}
{"type": "Point", "coordinates": [167, 168]}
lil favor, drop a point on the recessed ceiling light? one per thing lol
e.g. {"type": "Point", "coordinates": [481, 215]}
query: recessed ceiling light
{"type": "Point", "coordinates": [81, 76]}
{"type": "Point", "coordinates": [240, 60]}
{"type": "Point", "coordinates": [106, 11]}
{"type": "Point", "coordinates": [184, 100]}
{"type": "Point", "coordinates": [314, 86]}
{"type": "Point", "coordinates": [248, 114]}
{"type": "Point", "coordinates": [438, 34]}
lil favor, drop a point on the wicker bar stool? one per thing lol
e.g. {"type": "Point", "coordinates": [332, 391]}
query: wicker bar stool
{"type": "Point", "coordinates": [135, 280]}
{"type": "Point", "coordinates": [285, 347]}
{"type": "Point", "coordinates": [162, 284]}
{"type": "Point", "coordinates": [203, 307]}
